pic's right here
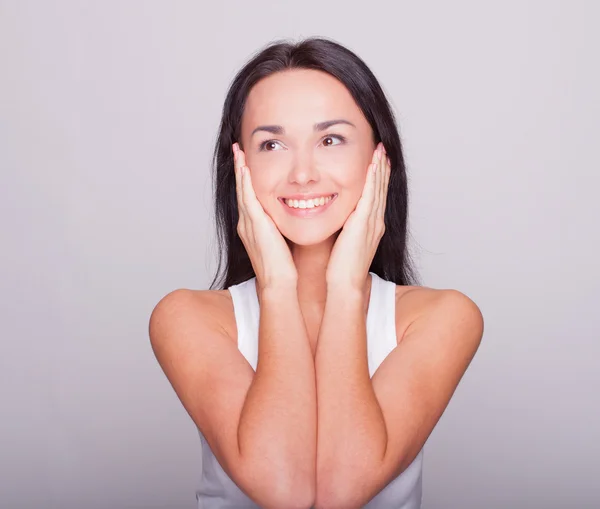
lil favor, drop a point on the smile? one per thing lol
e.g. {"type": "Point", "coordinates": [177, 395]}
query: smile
{"type": "Point", "coordinates": [308, 208]}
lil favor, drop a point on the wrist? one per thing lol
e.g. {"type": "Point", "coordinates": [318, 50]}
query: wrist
{"type": "Point", "coordinates": [345, 284]}
{"type": "Point", "coordinates": [277, 291]}
{"type": "Point", "coordinates": [345, 291]}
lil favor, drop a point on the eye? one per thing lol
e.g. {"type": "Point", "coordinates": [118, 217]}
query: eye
{"type": "Point", "coordinates": [333, 137]}
{"type": "Point", "coordinates": [267, 146]}
{"type": "Point", "coordinates": [269, 143]}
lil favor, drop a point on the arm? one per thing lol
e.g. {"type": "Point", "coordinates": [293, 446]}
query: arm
{"type": "Point", "coordinates": [369, 431]}
{"type": "Point", "coordinates": [261, 425]}
{"type": "Point", "coordinates": [351, 432]}
{"type": "Point", "coordinates": [278, 423]}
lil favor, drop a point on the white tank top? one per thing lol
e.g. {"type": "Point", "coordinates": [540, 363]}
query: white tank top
{"type": "Point", "coordinates": [218, 491]}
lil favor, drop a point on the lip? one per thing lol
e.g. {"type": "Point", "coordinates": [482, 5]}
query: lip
{"type": "Point", "coordinates": [308, 196]}
{"type": "Point", "coordinates": [307, 212]}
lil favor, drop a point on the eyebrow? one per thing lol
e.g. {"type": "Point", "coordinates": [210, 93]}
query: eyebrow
{"type": "Point", "coordinates": [320, 126]}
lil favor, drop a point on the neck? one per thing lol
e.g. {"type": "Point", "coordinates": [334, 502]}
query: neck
{"type": "Point", "coordinates": [311, 265]}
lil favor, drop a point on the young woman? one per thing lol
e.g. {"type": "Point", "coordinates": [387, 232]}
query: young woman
{"type": "Point", "coordinates": [318, 370]}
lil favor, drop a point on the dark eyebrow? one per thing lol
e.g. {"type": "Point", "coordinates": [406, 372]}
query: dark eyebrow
{"type": "Point", "coordinates": [321, 126]}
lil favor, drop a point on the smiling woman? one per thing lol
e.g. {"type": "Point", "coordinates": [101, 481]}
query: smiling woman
{"type": "Point", "coordinates": [314, 368]}
{"type": "Point", "coordinates": [308, 105]}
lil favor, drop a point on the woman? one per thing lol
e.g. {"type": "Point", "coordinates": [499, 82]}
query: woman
{"type": "Point", "coordinates": [319, 369]}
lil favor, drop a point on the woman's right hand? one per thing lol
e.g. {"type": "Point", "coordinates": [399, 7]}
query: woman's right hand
{"type": "Point", "coordinates": [268, 251]}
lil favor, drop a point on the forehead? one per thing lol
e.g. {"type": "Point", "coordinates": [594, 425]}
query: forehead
{"type": "Point", "coordinates": [299, 98]}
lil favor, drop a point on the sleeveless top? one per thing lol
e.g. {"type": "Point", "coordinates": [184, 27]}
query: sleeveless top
{"type": "Point", "coordinates": [218, 491]}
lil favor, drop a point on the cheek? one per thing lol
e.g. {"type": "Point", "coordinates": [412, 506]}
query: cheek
{"type": "Point", "coordinates": [351, 183]}
{"type": "Point", "coordinates": [346, 164]}
{"type": "Point", "coordinates": [350, 177]}
{"type": "Point", "coordinates": [263, 186]}
{"type": "Point", "coordinates": [260, 188]}
{"type": "Point", "coordinates": [263, 171]}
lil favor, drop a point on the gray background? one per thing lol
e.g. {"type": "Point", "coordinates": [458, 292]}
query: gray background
{"type": "Point", "coordinates": [108, 113]}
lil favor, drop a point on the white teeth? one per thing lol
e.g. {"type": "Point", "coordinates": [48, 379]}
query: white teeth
{"type": "Point", "coordinates": [307, 204]}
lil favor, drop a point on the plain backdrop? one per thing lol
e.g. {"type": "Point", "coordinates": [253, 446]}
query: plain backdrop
{"type": "Point", "coordinates": [108, 115]}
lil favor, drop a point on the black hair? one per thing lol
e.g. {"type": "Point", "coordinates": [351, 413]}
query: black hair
{"type": "Point", "coordinates": [392, 260]}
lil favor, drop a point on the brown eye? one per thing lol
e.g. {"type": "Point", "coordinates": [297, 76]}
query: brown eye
{"type": "Point", "coordinates": [268, 146]}
{"type": "Point", "coordinates": [328, 140]}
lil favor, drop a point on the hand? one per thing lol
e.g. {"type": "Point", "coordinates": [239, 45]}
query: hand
{"type": "Point", "coordinates": [355, 247]}
{"type": "Point", "coordinates": [269, 253]}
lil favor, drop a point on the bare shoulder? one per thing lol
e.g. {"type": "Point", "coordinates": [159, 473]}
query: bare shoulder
{"type": "Point", "coordinates": [194, 340]}
{"type": "Point", "coordinates": [414, 302]}
{"type": "Point", "coordinates": [186, 306]}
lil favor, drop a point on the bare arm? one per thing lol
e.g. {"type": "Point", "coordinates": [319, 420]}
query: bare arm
{"type": "Point", "coordinates": [351, 428]}
{"type": "Point", "coordinates": [261, 426]}
{"type": "Point", "coordinates": [369, 431]}
{"type": "Point", "coordinates": [278, 423]}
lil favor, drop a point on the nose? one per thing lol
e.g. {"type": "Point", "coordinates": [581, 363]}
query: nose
{"type": "Point", "coordinates": [303, 170]}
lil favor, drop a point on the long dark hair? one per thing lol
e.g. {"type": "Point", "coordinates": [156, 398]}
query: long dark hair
{"type": "Point", "coordinates": [392, 260]}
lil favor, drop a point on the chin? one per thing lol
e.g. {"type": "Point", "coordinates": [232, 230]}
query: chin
{"type": "Point", "coordinates": [310, 231]}
{"type": "Point", "coordinates": [308, 236]}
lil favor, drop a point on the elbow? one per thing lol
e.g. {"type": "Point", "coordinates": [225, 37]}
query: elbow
{"type": "Point", "coordinates": [300, 500]}
{"type": "Point", "coordinates": [298, 497]}
{"type": "Point", "coordinates": [334, 501]}
{"type": "Point", "coordinates": [291, 490]}
{"type": "Point", "coordinates": [331, 494]}
{"type": "Point", "coordinates": [342, 489]}
{"type": "Point", "coordinates": [337, 501]}
{"type": "Point", "coordinates": [298, 493]}
{"type": "Point", "coordinates": [279, 479]}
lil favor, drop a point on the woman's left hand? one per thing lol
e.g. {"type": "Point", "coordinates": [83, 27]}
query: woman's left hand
{"type": "Point", "coordinates": [357, 243]}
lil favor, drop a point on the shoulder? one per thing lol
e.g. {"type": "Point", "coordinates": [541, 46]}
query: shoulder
{"type": "Point", "coordinates": [183, 308]}
{"type": "Point", "coordinates": [445, 306]}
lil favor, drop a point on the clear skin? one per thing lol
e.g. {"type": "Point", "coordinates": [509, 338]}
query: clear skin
{"type": "Point", "coordinates": [302, 160]}
{"type": "Point", "coordinates": [364, 431]}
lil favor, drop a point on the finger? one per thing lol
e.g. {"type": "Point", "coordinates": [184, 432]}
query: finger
{"type": "Point", "coordinates": [237, 165]}
{"type": "Point", "coordinates": [384, 185]}
{"type": "Point", "coordinates": [365, 203]}
{"type": "Point", "coordinates": [374, 201]}
{"type": "Point", "coordinates": [378, 181]}
{"type": "Point", "coordinates": [239, 162]}
{"type": "Point", "coordinates": [251, 203]}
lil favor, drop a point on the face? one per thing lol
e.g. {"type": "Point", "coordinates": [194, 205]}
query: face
{"type": "Point", "coordinates": [290, 155]}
